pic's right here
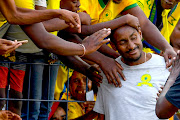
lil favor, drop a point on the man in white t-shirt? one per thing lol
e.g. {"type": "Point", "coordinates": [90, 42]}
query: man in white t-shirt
{"type": "Point", "coordinates": [145, 74]}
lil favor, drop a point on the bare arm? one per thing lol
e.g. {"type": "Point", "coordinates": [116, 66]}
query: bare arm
{"type": "Point", "coordinates": [113, 24]}
{"type": "Point", "coordinates": [104, 49]}
{"type": "Point", "coordinates": [79, 65]}
{"type": "Point", "coordinates": [54, 24]}
{"type": "Point", "coordinates": [164, 109]}
{"type": "Point", "coordinates": [151, 34]}
{"type": "Point", "coordinates": [22, 16]}
{"type": "Point", "coordinates": [54, 44]}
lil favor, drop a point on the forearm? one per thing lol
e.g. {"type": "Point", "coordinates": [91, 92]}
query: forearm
{"type": "Point", "coordinates": [164, 109]}
{"type": "Point", "coordinates": [22, 16]}
{"type": "Point", "coordinates": [113, 24]}
{"type": "Point", "coordinates": [154, 37]}
{"type": "Point", "coordinates": [55, 24]}
{"type": "Point", "coordinates": [168, 84]}
{"type": "Point", "coordinates": [75, 63]}
{"type": "Point", "coordinates": [50, 42]}
{"type": "Point", "coordinates": [104, 49]}
{"type": "Point", "coordinates": [108, 51]}
{"type": "Point", "coordinates": [27, 16]}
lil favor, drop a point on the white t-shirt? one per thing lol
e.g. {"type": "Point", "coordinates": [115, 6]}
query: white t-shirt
{"type": "Point", "coordinates": [136, 99]}
{"type": "Point", "coordinates": [40, 3]}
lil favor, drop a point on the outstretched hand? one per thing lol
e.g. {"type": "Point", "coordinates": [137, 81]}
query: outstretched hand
{"type": "Point", "coordinates": [71, 18]}
{"type": "Point", "coordinates": [96, 40]}
{"type": "Point", "coordinates": [7, 46]}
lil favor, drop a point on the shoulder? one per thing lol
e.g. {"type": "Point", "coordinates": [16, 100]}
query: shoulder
{"type": "Point", "coordinates": [157, 59]}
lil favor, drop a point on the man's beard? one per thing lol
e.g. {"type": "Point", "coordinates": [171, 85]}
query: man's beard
{"type": "Point", "coordinates": [132, 59]}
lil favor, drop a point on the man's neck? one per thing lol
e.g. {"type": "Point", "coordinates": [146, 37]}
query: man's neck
{"type": "Point", "coordinates": [143, 58]}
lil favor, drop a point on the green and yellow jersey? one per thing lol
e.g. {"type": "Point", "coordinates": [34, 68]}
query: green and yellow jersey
{"type": "Point", "coordinates": [169, 18]}
{"type": "Point", "coordinates": [101, 12]}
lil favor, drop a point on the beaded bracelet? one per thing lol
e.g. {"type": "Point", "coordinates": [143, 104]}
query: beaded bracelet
{"type": "Point", "coordinates": [84, 50]}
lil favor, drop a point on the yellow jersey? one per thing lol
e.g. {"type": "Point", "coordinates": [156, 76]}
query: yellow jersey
{"type": "Point", "coordinates": [25, 4]}
{"type": "Point", "coordinates": [74, 109]}
{"type": "Point", "coordinates": [53, 4]}
{"type": "Point", "coordinates": [169, 23]}
{"type": "Point", "coordinates": [100, 12]}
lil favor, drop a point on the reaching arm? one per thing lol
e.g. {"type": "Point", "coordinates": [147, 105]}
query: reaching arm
{"type": "Point", "coordinates": [54, 44]}
{"type": "Point", "coordinates": [79, 65]}
{"type": "Point", "coordinates": [54, 24]}
{"type": "Point", "coordinates": [23, 16]}
{"type": "Point", "coordinates": [113, 24]}
{"type": "Point", "coordinates": [165, 109]}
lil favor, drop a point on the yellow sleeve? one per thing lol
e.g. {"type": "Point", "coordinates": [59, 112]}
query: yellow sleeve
{"type": "Point", "coordinates": [129, 4]}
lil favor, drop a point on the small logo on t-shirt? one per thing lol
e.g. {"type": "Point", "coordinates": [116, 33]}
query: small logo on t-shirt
{"type": "Point", "coordinates": [145, 79]}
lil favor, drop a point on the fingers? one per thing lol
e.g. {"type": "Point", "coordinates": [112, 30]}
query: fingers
{"type": "Point", "coordinates": [108, 77]}
{"type": "Point", "coordinates": [95, 77]}
{"type": "Point", "coordinates": [113, 78]}
{"type": "Point", "coordinates": [8, 42]}
{"type": "Point", "coordinates": [103, 34]}
{"type": "Point", "coordinates": [95, 67]}
{"type": "Point", "coordinates": [12, 48]}
{"type": "Point", "coordinates": [105, 41]}
{"type": "Point", "coordinates": [75, 22]}
{"type": "Point", "coordinates": [94, 41]}
{"type": "Point", "coordinates": [169, 54]}
{"type": "Point", "coordinates": [167, 61]}
{"type": "Point", "coordinates": [120, 71]}
{"type": "Point", "coordinates": [117, 80]}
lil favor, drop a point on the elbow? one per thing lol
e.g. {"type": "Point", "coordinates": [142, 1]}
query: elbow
{"type": "Point", "coordinates": [14, 19]}
{"type": "Point", "coordinates": [161, 113]}
{"type": "Point", "coordinates": [11, 20]}
{"type": "Point", "coordinates": [43, 45]}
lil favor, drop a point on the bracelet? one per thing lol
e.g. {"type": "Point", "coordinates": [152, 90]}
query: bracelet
{"type": "Point", "coordinates": [84, 50]}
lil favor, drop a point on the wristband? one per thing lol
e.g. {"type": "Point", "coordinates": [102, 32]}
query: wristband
{"type": "Point", "coordinates": [84, 50]}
